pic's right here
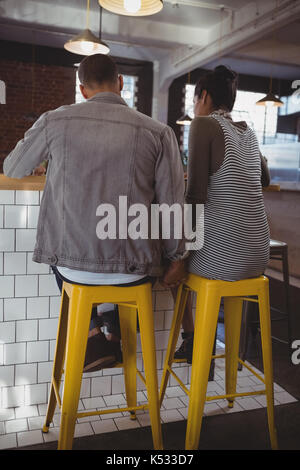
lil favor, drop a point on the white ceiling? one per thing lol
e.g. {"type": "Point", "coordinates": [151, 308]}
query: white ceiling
{"type": "Point", "coordinates": [180, 37]}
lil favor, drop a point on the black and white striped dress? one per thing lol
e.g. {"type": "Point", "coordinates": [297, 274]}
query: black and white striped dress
{"type": "Point", "coordinates": [236, 231]}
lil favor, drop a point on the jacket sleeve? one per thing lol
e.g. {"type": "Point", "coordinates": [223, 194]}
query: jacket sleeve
{"type": "Point", "coordinates": [169, 190]}
{"type": "Point", "coordinates": [265, 173]}
{"type": "Point", "coordinates": [29, 152]}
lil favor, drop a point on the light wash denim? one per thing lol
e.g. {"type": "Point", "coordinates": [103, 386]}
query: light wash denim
{"type": "Point", "coordinates": [97, 151]}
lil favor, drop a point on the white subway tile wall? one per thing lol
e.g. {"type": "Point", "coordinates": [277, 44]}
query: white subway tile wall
{"type": "Point", "coordinates": [29, 310]}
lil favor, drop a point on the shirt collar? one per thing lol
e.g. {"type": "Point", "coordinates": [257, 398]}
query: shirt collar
{"type": "Point", "coordinates": [108, 97]}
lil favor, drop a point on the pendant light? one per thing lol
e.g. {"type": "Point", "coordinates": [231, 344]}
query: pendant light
{"type": "Point", "coordinates": [269, 100]}
{"type": "Point", "coordinates": [185, 119]}
{"type": "Point", "coordinates": [86, 43]}
{"type": "Point", "coordinates": [132, 7]}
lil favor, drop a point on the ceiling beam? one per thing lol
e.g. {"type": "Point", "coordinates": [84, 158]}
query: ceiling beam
{"type": "Point", "coordinates": [242, 27]}
{"type": "Point", "coordinates": [147, 31]}
{"type": "Point", "coordinates": [198, 4]}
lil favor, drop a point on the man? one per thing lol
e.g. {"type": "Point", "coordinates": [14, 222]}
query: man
{"type": "Point", "coordinates": [98, 151]}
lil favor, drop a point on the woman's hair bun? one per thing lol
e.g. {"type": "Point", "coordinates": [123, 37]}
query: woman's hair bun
{"type": "Point", "coordinates": [224, 72]}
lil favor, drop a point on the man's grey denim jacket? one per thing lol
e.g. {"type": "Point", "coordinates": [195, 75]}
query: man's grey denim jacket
{"type": "Point", "coordinates": [97, 151]}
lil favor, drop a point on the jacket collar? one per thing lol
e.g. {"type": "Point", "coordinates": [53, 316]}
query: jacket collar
{"type": "Point", "coordinates": [108, 97]}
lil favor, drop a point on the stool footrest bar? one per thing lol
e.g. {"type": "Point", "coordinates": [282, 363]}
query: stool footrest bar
{"type": "Point", "coordinates": [141, 376]}
{"type": "Point", "coordinates": [113, 410]}
{"type": "Point", "coordinates": [252, 371]}
{"type": "Point", "coordinates": [185, 389]}
{"type": "Point", "coordinates": [56, 391]}
{"type": "Point", "coordinates": [234, 395]}
{"type": "Point", "coordinates": [248, 299]}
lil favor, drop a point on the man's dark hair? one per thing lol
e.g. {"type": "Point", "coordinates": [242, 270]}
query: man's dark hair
{"type": "Point", "coordinates": [221, 85]}
{"type": "Point", "coordinates": [97, 69]}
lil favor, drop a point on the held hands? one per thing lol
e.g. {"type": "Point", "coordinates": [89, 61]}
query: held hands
{"type": "Point", "coordinates": [174, 274]}
{"type": "Point", "coordinates": [39, 171]}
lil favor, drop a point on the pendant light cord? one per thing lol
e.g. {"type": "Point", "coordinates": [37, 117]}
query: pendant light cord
{"type": "Point", "coordinates": [100, 24]}
{"type": "Point", "coordinates": [273, 46]}
{"type": "Point", "coordinates": [87, 13]}
{"type": "Point", "coordinates": [33, 78]}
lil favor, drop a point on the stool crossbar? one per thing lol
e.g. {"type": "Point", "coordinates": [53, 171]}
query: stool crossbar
{"type": "Point", "coordinates": [76, 303]}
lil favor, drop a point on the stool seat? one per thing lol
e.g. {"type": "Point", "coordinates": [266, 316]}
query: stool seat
{"type": "Point", "coordinates": [276, 243]}
{"type": "Point", "coordinates": [77, 302]}
{"type": "Point", "coordinates": [209, 293]}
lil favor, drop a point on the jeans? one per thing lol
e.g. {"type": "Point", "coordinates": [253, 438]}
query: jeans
{"type": "Point", "coordinates": [60, 279]}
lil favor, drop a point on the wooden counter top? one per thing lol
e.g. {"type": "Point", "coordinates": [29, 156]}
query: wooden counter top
{"type": "Point", "coordinates": [28, 183]}
{"type": "Point", "coordinates": [37, 183]}
{"type": "Point", "coordinates": [272, 188]}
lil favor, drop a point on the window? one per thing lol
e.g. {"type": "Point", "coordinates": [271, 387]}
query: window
{"type": "Point", "coordinates": [128, 93]}
{"type": "Point", "coordinates": [2, 93]}
{"type": "Point", "coordinates": [188, 109]}
{"type": "Point", "coordinates": [282, 150]}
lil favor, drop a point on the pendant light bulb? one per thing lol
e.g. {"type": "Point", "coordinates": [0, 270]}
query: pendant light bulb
{"type": "Point", "coordinates": [132, 6]}
{"type": "Point", "coordinates": [269, 104]}
{"type": "Point", "coordinates": [87, 47]}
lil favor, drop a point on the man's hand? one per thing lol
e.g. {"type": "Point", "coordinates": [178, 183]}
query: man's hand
{"type": "Point", "coordinates": [39, 171]}
{"type": "Point", "coordinates": [174, 274]}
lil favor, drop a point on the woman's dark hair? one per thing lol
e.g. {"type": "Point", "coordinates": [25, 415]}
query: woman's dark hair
{"type": "Point", "coordinates": [221, 85]}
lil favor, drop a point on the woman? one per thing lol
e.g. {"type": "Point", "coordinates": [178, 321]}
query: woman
{"type": "Point", "coordinates": [226, 172]}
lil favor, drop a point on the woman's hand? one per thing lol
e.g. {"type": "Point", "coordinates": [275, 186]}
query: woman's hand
{"type": "Point", "coordinates": [175, 274]}
{"type": "Point", "coordinates": [39, 171]}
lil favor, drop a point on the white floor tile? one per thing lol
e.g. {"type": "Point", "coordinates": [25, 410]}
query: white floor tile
{"type": "Point", "coordinates": [7, 414]}
{"type": "Point", "coordinates": [172, 403]}
{"type": "Point", "coordinates": [284, 397]}
{"type": "Point", "coordinates": [26, 411]}
{"type": "Point", "coordinates": [184, 412]}
{"type": "Point", "coordinates": [211, 409]}
{"type": "Point", "coordinates": [126, 423]}
{"type": "Point", "coordinates": [91, 403]}
{"type": "Point", "coordinates": [8, 441]}
{"type": "Point", "coordinates": [168, 416]}
{"type": "Point", "coordinates": [16, 425]}
{"type": "Point", "coordinates": [36, 422]}
{"type": "Point", "coordinates": [248, 403]}
{"type": "Point", "coordinates": [29, 438]}
{"type": "Point", "coordinates": [83, 429]}
{"type": "Point", "coordinates": [235, 409]}
{"type": "Point", "coordinates": [144, 419]}
{"type": "Point", "coordinates": [2, 428]}
{"type": "Point", "coordinates": [107, 425]}
{"type": "Point", "coordinates": [113, 400]}
{"type": "Point", "coordinates": [51, 435]}
{"type": "Point", "coordinates": [174, 392]}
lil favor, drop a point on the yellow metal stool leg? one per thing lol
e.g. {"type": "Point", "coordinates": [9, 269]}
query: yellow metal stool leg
{"type": "Point", "coordinates": [265, 325]}
{"type": "Point", "coordinates": [146, 322]}
{"type": "Point", "coordinates": [207, 310]}
{"type": "Point", "coordinates": [180, 303]}
{"type": "Point", "coordinates": [232, 319]}
{"type": "Point", "coordinates": [58, 360]}
{"type": "Point", "coordinates": [128, 324]}
{"type": "Point", "coordinates": [78, 327]}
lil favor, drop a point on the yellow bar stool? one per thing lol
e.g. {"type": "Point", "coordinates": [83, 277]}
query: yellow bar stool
{"type": "Point", "coordinates": [209, 293]}
{"type": "Point", "coordinates": [76, 303]}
